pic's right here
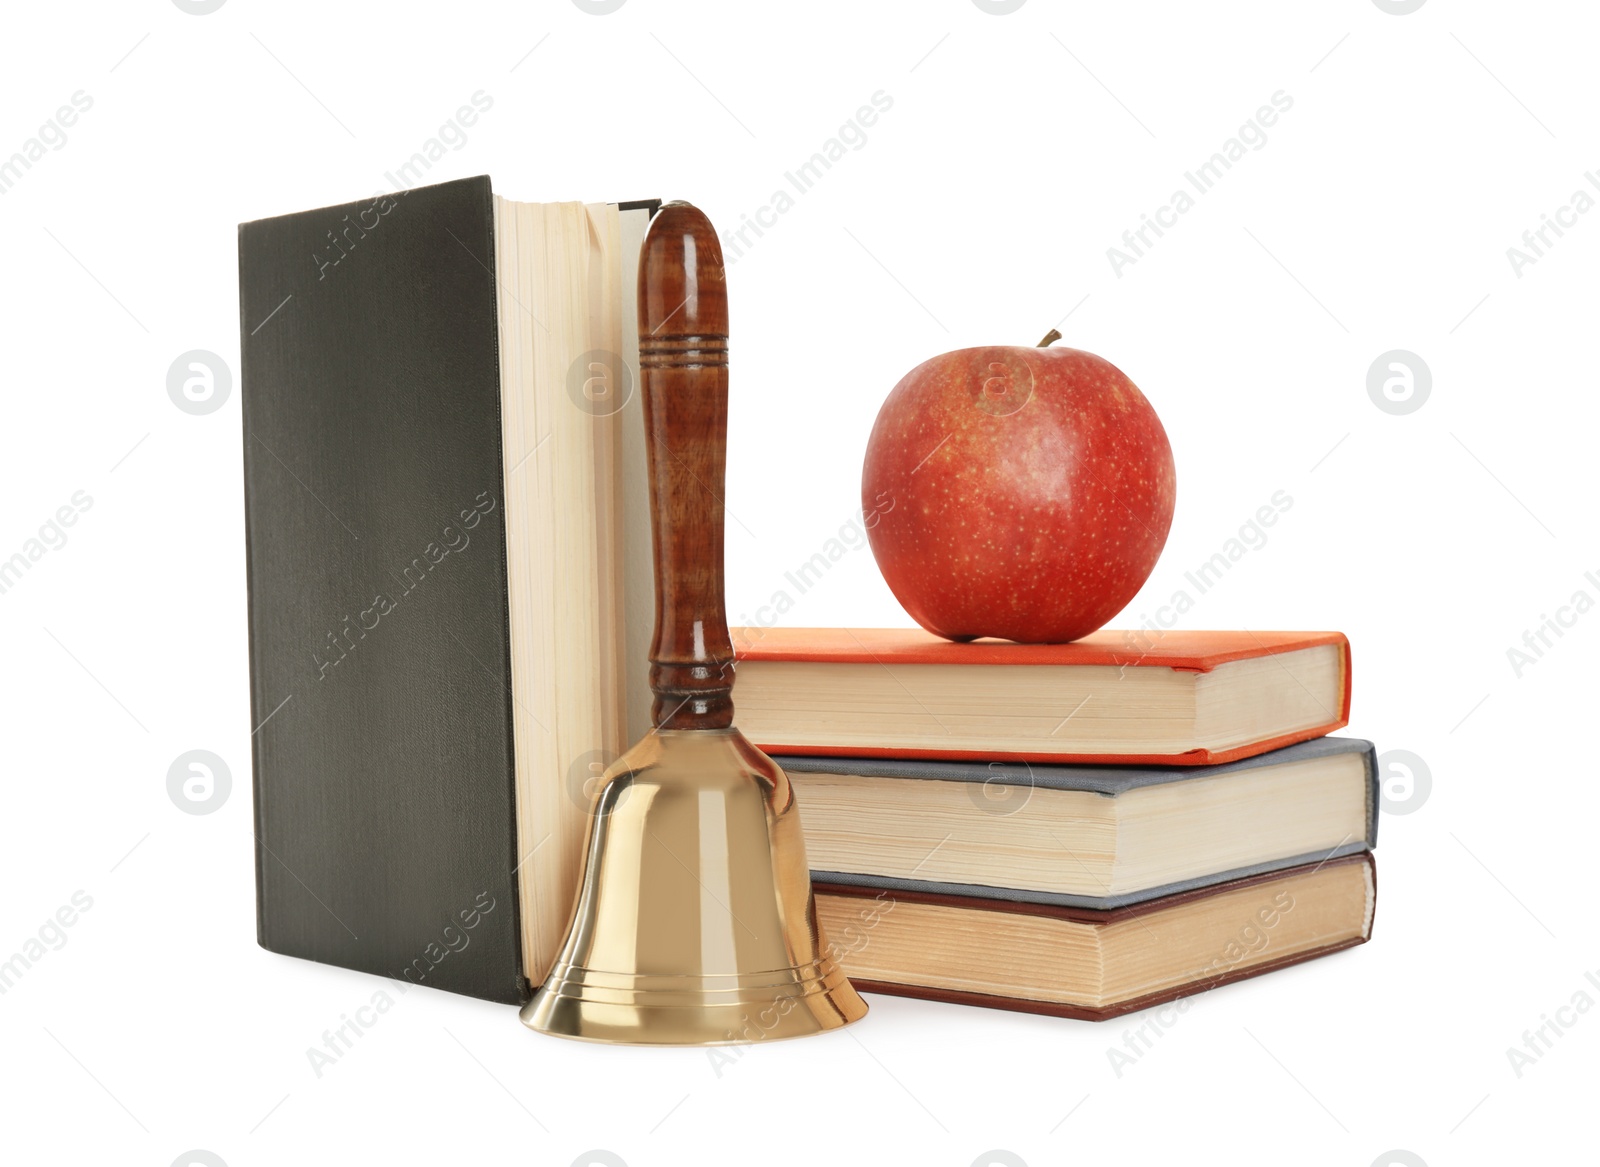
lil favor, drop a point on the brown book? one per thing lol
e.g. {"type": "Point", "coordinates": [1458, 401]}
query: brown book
{"type": "Point", "coordinates": [1095, 964]}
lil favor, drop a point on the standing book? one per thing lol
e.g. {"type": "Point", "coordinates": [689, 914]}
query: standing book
{"type": "Point", "coordinates": [448, 566]}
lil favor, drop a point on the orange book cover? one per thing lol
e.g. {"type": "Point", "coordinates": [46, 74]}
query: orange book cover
{"type": "Point", "coordinates": [1197, 651]}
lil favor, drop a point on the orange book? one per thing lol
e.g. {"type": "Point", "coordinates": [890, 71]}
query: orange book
{"type": "Point", "coordinates": [1182, 698]}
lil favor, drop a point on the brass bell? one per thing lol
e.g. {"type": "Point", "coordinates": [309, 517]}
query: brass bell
{"type": "Point", "coordinates": [695, 922]}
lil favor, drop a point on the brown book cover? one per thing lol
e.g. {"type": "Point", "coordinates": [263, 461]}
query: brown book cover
{"type": "Point", "coordinates": [838, 906]}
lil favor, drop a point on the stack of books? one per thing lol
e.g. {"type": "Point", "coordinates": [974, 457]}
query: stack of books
{"type": "Point", "coordinates": [1081, 830]}
{"type": "Point", "coordinates": [450, 610]}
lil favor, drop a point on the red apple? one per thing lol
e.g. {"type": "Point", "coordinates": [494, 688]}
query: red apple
{"type": "Point", "coordinates": [1023, 493]}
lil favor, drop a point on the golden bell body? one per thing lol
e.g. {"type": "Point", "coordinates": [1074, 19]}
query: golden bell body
{"type": "Point", "coordinates": [695, 923]}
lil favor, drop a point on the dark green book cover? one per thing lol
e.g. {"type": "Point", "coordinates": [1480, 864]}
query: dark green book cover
{"type": "Point", "coordinates": [379, 658]}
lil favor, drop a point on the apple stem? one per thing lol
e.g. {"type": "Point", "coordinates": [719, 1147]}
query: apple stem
{"type": "Point", "coordinates": [1049, 339]}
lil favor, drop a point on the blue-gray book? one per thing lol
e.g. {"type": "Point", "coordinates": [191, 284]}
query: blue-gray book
{"type": "Point", "coordinates": [1082, 836]}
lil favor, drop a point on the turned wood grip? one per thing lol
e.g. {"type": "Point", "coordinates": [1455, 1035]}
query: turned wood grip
{"type": "Point", "coordinates": [683, 362]}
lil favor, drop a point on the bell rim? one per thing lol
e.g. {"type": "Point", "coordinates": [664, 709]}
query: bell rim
{"type": "Point", "coordinates": [846, 1008]}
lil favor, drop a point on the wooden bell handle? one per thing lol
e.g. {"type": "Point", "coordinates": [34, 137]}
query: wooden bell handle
{"type": "Point", "coordinates": [683, 363]}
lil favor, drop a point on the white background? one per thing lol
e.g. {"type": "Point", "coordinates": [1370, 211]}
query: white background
{"type": "Point", "coordinates": [1019, 147]}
